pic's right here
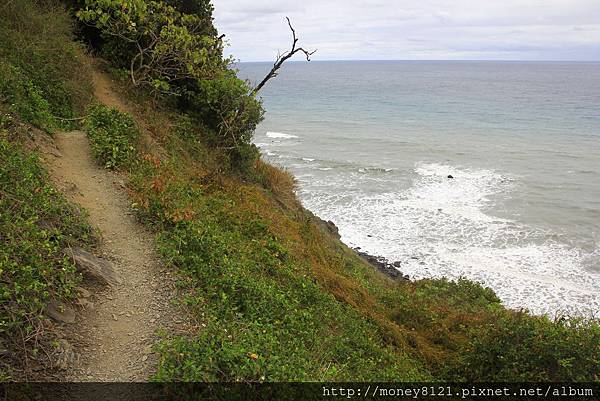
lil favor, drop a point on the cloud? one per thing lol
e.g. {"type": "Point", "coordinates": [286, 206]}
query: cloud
{"type": "Point", "coordinates": [408, 29]}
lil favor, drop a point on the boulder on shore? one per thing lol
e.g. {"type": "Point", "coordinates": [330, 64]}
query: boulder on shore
{"type": "Point", "coordinates": [332, 228]}
{"type": "Point", "coordinates": [384, 265]}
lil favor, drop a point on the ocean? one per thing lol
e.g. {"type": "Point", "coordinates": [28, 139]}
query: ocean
{"type": "Point", "coordinates": [373, 143]}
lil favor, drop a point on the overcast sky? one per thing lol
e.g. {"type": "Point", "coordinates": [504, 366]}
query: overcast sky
{"type": "Point", "coordinates": [414, 29]}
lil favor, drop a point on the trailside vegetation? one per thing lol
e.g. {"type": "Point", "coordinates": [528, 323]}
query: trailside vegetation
{"type": "Point", "coordinates": [43, 76]}
{"type": "Point", "coordinates": [44, 81]}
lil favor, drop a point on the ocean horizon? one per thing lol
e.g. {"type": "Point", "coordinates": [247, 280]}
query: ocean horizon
{"type": "Point", "coordinates": [486, 170]}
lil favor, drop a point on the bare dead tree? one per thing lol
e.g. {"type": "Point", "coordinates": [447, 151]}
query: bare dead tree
{"type": "Point", "coordinates": [282, 58]}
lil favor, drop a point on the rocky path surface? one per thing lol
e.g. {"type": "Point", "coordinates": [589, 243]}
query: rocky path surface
{"type": "Point", "coordinates": [115, 332]}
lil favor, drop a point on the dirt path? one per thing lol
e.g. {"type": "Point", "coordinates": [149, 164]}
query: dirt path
{"type": "Point", "coordinates": [119, 330]}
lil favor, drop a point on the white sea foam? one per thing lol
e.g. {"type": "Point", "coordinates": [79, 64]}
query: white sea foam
{"type": "Point", "coordinates": [374, 170]}
{"type": "Point", "coordinates": [271, 134]}
{"type": "Point", "coordinates": [308, 159]}
{"type": "Point", "coordinates": [442, 227]}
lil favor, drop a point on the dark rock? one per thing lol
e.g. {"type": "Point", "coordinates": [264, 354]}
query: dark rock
{"type": "Point", "coordinates": [383, 265]}
{"type": "Point", "coordinates": [450, 176]}
{"type": "Point", "coordinates": [332, 228]}
{"type": "Point", "coordinates": [60, 312]}
{"type": "Point", "coordinates": [93, 267]}
{"type": "Point", "coordinates": [369, 235]}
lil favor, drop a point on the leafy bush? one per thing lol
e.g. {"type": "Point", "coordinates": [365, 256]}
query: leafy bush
{"type": "Point", "coordinates": [514, 346]}
{"type": "Point", "coordinates": [42, 76]}
{"type": "Point", "coordinates": [172, 48]}
{"type": "Point", "coordinates": [26, 98]}
{"type": "Point", "coordinates": [112, 135]}
{"type": "Point", "coordinates": [159, 45]}
{"type": "Point", "coordinates": [225, 106]}
{"type": "Point", "coordinates": [36, 224]}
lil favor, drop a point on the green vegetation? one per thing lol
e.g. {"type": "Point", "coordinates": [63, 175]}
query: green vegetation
{"type": "Point", "coordinates": [519, 347]}
{"type": "Point", "coordinates": [112, 136]}
{"type": "Point", "coordinates": [172, 49]}
{"type": "Point", "coordinates": [43, 81]}
{"type": "Point", "coordinates": [272, 295]}
{"type": "Point", "coordinates": [36, 225]}
{"type": "Point", "coordinates": [42, 74]}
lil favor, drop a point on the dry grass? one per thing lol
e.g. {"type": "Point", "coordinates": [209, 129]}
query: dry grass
{"type": "Point", "coordinates": [280, 182]}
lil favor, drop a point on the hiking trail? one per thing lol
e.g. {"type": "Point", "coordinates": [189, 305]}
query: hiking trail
{"type": "Point", "coordinates": [114, 335]}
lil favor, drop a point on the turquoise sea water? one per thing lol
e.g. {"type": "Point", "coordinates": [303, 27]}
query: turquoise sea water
{"type": "Point", "coordinates": [372, 145]}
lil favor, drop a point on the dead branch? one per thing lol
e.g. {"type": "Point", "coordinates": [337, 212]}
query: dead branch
{"type": "Point", "coordinates": [281, 58]}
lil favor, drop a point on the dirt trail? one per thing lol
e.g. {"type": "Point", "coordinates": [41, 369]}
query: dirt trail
{"type": "Point", "coordinates": [115, 336]}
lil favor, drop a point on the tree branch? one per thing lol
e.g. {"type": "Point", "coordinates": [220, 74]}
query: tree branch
{"type": "Point", "coordinates": [282, 58]}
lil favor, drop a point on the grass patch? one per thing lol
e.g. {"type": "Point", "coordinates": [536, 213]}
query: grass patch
{"type": "Point", "coordinates": [262, 315]}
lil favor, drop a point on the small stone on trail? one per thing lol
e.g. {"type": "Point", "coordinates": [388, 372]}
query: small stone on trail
{"type": "Point", "coordinates": [85, 303]}
{"type": "Point", "coordinates": [93, 267]}
{"type": "Point", "coordinates": [60, 312]}
{"type": "Point", "coordinates": [83, 292]}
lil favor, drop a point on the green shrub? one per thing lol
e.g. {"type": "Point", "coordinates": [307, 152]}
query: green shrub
{"type": "Point", "coordinates": [36, 224]}
{"type": "Point", "coordinates": [225, 106]}
{"type": "Point", "coordinates": [42, 76]}
{"type": "Point", "coordinates": [159, 45]}
{"type": "Point", "coordinates": [112, 135]}
{"type": "Point", "coordinates": [514, 346]}
{"type": "Point", "coordinates": [25, 97]}
{"type": "Point", "coordinates": [171, 48]}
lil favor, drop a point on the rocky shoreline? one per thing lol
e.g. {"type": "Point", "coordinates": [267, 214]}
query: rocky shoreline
{"type": "Point", "coordinates": [387, 267]}
{"type": "Point", "coordinates": [382, 264]}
